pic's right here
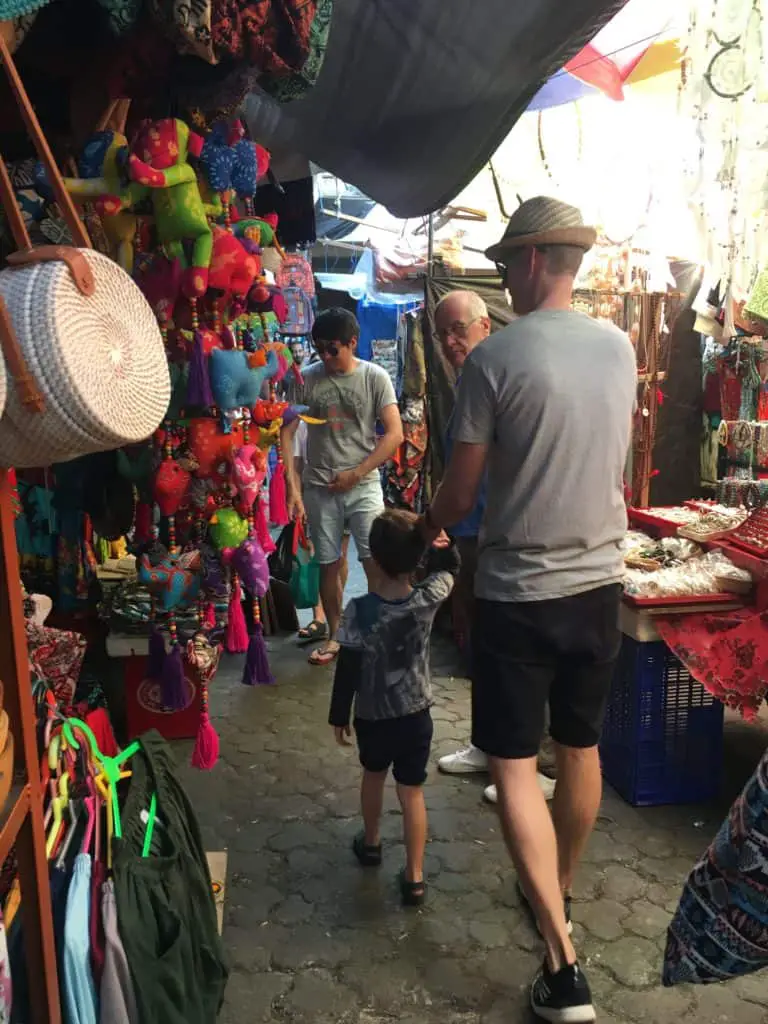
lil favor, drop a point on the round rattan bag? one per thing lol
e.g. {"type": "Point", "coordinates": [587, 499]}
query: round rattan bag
{"type": "Point", "coordinates": [95, 355]}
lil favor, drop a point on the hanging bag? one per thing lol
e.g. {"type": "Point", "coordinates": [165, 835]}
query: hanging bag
{"type": "Point", "coordinates": [85, 367]}
{"type": "Point", "coordinates": [305, 575]}
{"type": "Point", "coordinates": [281, 560]}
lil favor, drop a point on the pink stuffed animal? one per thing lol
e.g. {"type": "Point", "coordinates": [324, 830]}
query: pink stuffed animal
{"type": "Point", "coordinates": [250, 468]}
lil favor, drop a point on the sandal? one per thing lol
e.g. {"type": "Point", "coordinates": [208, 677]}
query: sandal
{"type": "Point", "coordinates": [367, 856]}
{"type": "Point", "coordinates": [326, 654]}
{"type": "Point", "coordinates": [312, 633]}
{"type": "Point", "coordinates": [413, 894]}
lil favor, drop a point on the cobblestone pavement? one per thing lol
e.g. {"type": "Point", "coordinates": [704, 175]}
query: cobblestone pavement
{"type": "Point", "coordinates": [311, 938]}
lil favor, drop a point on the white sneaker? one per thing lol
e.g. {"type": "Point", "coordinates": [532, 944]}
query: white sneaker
{"type": "Point", "coordinates": [546, 785]}
{"type": "Point", "coordinates": [464, 762]}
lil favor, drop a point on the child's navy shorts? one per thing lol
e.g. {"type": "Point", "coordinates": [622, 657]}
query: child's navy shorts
{"type": "Point", "coordinates": [402, 744]}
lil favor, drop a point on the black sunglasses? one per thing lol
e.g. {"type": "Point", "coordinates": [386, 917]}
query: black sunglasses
{"type": "Point", "coordinates": [330, 348]}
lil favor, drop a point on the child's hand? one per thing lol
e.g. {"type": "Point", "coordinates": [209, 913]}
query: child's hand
{"type": "Point", "coordinates": [343, 735]}
{"type": "Point", "coordinates": [441, 541]}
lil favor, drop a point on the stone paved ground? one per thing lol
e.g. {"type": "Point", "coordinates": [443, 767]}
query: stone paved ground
{"type": "Point", "coordinates": [313, 939]}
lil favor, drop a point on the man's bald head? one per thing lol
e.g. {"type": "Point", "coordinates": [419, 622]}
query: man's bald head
{"type": "Point", "coordinates": [462, 322]}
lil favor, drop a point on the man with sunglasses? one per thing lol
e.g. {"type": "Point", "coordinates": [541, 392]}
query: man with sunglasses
{"type": "Point", "coordinates": [341, 485]}
{"type": "Point", "coordinates": [547, 403]}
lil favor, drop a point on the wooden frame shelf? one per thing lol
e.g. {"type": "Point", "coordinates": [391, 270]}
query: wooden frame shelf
{"type": "Point", "coordinates": [21, 820]}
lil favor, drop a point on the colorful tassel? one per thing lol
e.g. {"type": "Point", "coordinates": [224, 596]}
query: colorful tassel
{"type": "Point", "coordinates": [206, 752]}
{"type": "Point", "coordinates": [278, 501]}
{"type": "Point", "coordinates": [156, 656]}
{"type": "Point", "coordinates": [257, 671]}
{"type": "Point", "coordinates": [236, 640]}
{"type": "Point", "coordinates": [263, 536]}
{"type": "Point", "coordinates": [199, 392]}
{"type": "Point", "coordinates": [209, 620]}
{"type": "Point", "coordinates": [174, 683]}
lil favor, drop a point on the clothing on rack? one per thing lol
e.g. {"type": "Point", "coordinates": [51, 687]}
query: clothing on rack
{"type": "Point", "coordinates": [165, 901]}
{"type": "Point", "coordinates": [118, 1000]}
{"type": "Point", "coordinates": [80, 999]}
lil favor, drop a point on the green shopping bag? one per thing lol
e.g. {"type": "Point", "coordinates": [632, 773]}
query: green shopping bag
{"type": "Point", "coordinates": [305, 574]}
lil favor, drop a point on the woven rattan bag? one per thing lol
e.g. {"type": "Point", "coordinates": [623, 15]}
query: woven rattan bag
{"type": "Point", "coordinates": [85, 367]}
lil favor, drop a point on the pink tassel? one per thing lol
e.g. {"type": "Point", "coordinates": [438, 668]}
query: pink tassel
{"type": "Point", "coordinates": [236, 640]}
{"type": "Point", "coordinates": [210, 616]}
{"type": "Point", "coordinates": [174, 690]}
{"type": "Point", "coordinates": [278, 502]}
{"type": "Point", "coordinates": [199, 392]}
{"type": "Point", "coordinates": [156, 656]}
{"type": "Point", "coordinates": [257, 671]}
{"type": "Point", "coordinates": [263, 535]}
{"type": "Point", "coordinates": [206, 752]}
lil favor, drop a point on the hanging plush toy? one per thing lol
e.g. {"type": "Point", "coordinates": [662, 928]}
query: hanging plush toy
{"type": "Point", "coordinates": [237, 376]}
{"type": "Point", "coordinates": [233, 268]}
{"type": "Point", "coordinates": [158, 163]}
{"type": "Point", "coordinates": [203, 657]}
{"type": "Point", "coordinates": [249, 465]}
{"type": "Point", "coordinates": [227, 529]}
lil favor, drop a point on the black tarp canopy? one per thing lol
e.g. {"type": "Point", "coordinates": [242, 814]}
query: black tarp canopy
{"type": "Point", "coordinates": [416, 95]}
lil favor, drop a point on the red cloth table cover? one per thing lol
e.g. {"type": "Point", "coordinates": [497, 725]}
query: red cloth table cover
{"type": "Point", "coordinates": [726, 652]}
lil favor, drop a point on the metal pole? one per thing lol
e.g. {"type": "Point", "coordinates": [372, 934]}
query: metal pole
{"type": "Point", "coordinates": [430, 246]}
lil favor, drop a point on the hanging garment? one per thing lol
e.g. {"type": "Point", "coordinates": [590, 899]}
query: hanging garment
{"type": "Point", "coordinates": [165, 902]}
{"type": "Point", "coordinates": [96, 922]}
{"type": "Point", "coordinates": [118, 1002]}
{"type": "Point", "coordinates": [80, 1001]}
{"type": "Point", "coordinates": [6, 990]}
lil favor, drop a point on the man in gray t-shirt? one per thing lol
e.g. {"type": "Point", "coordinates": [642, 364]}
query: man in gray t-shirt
{"type": "Point", "coordinates": [547, 405]}
{"type": "Point", "coordinates": [341, 487]}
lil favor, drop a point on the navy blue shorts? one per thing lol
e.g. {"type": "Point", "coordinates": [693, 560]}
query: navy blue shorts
{"type": "Point", "coordinates": [402, 744]}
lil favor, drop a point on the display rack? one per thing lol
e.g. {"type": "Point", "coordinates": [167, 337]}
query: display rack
{"type": "Point", "coordinates": [21, 820]}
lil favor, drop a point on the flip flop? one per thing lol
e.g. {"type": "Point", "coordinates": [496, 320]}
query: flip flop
{"type": "Point", "coordinates": [325, 655]}
{"type": "Point", "coordinates": [313, 633]}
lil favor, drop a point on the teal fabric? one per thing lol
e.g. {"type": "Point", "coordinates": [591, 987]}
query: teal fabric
{"type": "Point", "coordinates": [18, 8]}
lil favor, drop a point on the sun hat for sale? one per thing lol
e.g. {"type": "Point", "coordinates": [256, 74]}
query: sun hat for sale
{"type": "Point", "coordinates": [543, 221]}
{"type": "Point", "coordinates": [93, 352]}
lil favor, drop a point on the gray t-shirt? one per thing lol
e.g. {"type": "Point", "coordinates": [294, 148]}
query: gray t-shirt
{"type": "Point", "coordinates": [350, 403]}
{"type": "Point", "coordinates": [552, 396]}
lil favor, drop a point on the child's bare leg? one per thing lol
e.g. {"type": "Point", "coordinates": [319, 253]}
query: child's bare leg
{"type": "Point", "coordinates": [371, 802]}
{"type": "Point", "coordinates": [415, 830]}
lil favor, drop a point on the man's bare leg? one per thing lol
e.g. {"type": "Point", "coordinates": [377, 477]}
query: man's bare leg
{"type": "Point", "coordinates": [575, 806]}
{"type": "Point", "coordinates": [530, 838]}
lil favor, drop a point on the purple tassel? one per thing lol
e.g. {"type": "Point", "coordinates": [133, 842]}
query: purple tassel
{"type": "Point", "coordinates": [257, 671]}
{"type": "Point", "coordinates": [199, 392]}
{"type": "Point", "coordinates": [174, 688]}
{"type": "Point", "coordinates": [156, 656]}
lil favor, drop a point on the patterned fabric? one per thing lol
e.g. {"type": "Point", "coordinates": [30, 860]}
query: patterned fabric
{"type": "Point", "coordinates": [122, 15]}
{"type": "Point", "coordinates": [57, 656]}
{"type": "Point", "coordinates": [187, 23]}
{"type": "Point", "coordinates": [12, 9]}
{"type": "Point", "coordinates": [6, 990]}
{"type": "Point", "coordinates": [720, 929]}
{"type": "Point", "coordinates": [726, 653]}
{"type": "Point", "coordinates": [272, 34]}
{"type": "Point", "coordinates": [295, 86]}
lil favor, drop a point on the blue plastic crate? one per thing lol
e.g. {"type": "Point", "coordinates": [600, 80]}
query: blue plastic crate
{"type": "Point", "coordinates": [662, 742]}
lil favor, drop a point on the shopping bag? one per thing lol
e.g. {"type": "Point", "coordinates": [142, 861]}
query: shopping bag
{"type": "Point", "coordinates": [305, 574]}
{"type": "Point", "coordinates": [281, 560]}
{"type": "Point", "coordinates": [720, 929]}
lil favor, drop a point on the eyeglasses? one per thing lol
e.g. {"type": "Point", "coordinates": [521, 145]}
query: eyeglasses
{"type": "Point", "coordinates": [329, 348]}
{"type": "Point", "coordinates": [502, 269]}
{"type": "Point", "coordinates": [456, 329]}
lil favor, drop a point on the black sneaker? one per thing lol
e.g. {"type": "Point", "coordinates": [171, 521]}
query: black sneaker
{"type": "Point", "coordinates": [562, 998]}
{"type": "Point", "coordinates": [529, 908]}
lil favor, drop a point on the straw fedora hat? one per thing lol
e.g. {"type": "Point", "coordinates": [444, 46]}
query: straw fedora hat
{"type": "Point", "coordinates": [543, 221]}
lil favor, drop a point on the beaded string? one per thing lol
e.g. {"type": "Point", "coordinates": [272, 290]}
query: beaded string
{"type": "Point", "coordinates": [250, 516]}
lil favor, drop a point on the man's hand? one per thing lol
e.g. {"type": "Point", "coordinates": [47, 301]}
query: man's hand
{"type": "Point", "coordinates": [344, 481]}
{"type": "Point", "coordinates": [295, 505]}
{"type": "Point", "coordinates": [343, 735]}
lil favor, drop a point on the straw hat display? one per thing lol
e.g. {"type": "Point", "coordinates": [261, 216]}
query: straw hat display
{"type": "Point", "coordinates": [95, 356]}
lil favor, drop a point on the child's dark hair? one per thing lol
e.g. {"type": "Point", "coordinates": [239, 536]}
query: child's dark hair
{"type": "Point", "coordinates": [336, 324]}
{"type": "Point", "coordinates": [397, 546]}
